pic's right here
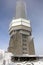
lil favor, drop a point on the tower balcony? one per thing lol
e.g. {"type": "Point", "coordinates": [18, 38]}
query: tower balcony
{"type": "Point", "coordinates": [20, 24]}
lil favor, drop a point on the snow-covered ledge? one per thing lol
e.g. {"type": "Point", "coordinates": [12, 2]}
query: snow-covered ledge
{"type": "Point", "coordinates": [5, 59]}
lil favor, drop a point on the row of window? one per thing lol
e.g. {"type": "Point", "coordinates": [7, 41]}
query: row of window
{"type": "Point", "coordinates": [24, 39]}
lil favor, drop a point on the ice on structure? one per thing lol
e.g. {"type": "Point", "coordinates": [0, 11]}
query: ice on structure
{"type": "Point", "coordinates": [5, 59]}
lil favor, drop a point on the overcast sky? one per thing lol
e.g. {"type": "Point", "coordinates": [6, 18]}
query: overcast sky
{"type": "Point", "coordinates": [34, 14]}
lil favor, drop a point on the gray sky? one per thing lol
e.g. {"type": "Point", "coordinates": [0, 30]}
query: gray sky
{"type": "Point", "coordinates": [34, 14]}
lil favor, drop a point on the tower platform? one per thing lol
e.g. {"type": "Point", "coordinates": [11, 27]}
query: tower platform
{"type": "Point", "coordinates": [23, 58]}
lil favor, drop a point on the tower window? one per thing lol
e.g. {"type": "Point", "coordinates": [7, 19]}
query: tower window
{"type": "Point", "coordinates": [24, 44]}
{"type": "Point", "coordinates": [24, 52]}
{"type": "Point", "coordinates": [24, 48]}
{"type": "Point", "coordinates": [24, 40]}
{"type": "Point", "coordinates": [24, 36]}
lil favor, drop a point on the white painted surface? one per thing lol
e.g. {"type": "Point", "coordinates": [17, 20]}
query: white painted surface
{"type": "Point", "coordinates": [20, 22]}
